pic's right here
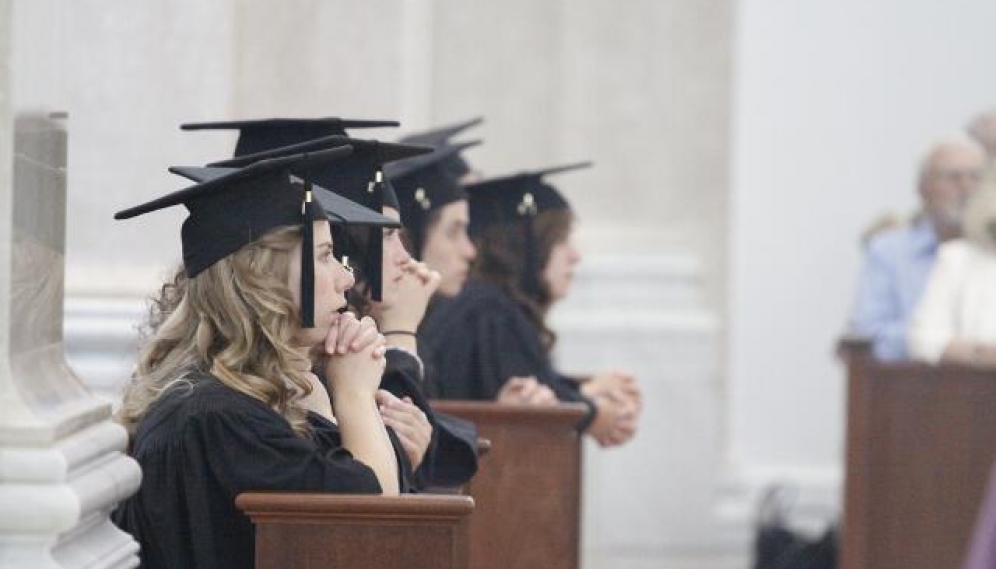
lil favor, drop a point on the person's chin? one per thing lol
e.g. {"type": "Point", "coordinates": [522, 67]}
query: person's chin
{"type": "Point", "coordinates": [565, 288]}
{"type": "Point", "coordinates": [450, 289]}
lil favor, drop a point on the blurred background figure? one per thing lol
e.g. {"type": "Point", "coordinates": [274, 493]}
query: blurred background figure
{"type": "Point", "coordinates": [899, 259]}
{"type": "Point", "coordinates": [956, 318]}
{"type": "Point", "coordinates": [983, 128]}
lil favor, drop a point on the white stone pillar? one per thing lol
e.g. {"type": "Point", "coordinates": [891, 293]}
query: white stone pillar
{"type": "Point", "coordinates": [62, 466]}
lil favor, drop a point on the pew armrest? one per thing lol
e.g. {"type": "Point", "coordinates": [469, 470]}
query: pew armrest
{"type": "Point", "coordinates": [289, 507]}
{"type": "Point", "coordinates": [301, 531]}
{"type": "Point", "coordinates": [490, 412]}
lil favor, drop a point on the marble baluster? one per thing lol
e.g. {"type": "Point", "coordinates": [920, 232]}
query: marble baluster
{"type": "Point", "coordinates": [62, 461]}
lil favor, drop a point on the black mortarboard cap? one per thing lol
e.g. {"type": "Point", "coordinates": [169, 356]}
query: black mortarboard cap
{"type": "Point", "coordinates": [507, 199]}
{"type": "Point", "coordinates": [358, 177]}
{"type": "Point", "coordinates": [229, 210]}
{"type": "Point", "coordinates": [454, 164]}
{"type": "Point", "coordinates": [424, 185]}
{"type": "Point", "coordinates": [266, 134]}
{"type": "Point", "coordinates": [515, 201]}
{"type": "Point", "coordinates": [338, 210]}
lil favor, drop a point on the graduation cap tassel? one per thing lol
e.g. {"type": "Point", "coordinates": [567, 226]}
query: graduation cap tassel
{"type": "Point", "coordinates": [309, 214]}
{"type": "Point", "coordinates": [418, 239]}
{"type": "Point", "coordinates": [375, 248]}
{"type": "Point", "coordinates": [377, 188]}
{"type": "Point", "coordinates": [416, 228]}
{"type": "Point", "coordinates": [532, 271]}
{"type": "Point", "coordinates": [527, 210]}
{"type": "Point", "coordinates": [375, 263]}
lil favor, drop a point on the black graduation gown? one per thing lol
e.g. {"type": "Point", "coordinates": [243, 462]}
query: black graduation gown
{"type": "Point", "coordinates": [478, 340]}
{"type": "Point", "coordinates": [200, 447]}
{"type": "Point", "coordinates": [451, 459]}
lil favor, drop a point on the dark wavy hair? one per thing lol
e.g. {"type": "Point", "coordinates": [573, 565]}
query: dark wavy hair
{"type": "Point", "coordinates": [502, 261]}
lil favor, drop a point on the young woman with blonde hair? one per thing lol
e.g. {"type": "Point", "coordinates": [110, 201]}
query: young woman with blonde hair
{"type": "Point", "coordinates": [224, 399]}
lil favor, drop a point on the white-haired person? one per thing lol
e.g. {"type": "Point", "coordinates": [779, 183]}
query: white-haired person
{"type": "Point", "coordinates": [898, 260]}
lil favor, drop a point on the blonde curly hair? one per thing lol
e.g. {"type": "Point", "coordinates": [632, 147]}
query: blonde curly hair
{"type": "Point", "coordinates": [235, 320]}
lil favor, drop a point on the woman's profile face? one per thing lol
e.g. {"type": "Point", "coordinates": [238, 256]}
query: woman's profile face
{"type": "Point", "coordinates": [395, 258]}
{"type": "Point", "coordinates": [558, 274]}
{"type": "Point", "coordinates": [332, 280]}
{"type": "Point", "coordinates": [448, 248]}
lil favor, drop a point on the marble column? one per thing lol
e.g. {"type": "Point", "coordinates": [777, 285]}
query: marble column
{"type": "Point", "coordinates": [62, 465]}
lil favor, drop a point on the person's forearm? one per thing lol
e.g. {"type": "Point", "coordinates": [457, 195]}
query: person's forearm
{"type": "Point", "coordinates": [364, 435]}
{"type": "Point", "coordinates": [318, 400]}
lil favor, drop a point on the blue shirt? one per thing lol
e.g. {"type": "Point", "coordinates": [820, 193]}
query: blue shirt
{"type": "Point", "coordinates": [896, 267]}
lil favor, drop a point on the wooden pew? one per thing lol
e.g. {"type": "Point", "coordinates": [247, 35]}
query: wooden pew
{"type": "Point", "coordinates": [337, 531]}
{"type": "Point", "coordinates": [920, 444]}
{"type": "Point", "coordinates": [528, 489]}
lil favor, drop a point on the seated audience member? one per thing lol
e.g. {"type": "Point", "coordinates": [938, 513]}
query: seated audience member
{"type": "Point", "coordinates": [897, 261]}
{"type": "Point", "coordinates": [394, 289]}
{"type": "Point", "coordinates": [497, 344]}
{"type": "Point", "coordinates": [956, 319]}
{"type": "Point", "coordinates": [983, 128]}
{"type": "Point", "coordinates": [224, 399]}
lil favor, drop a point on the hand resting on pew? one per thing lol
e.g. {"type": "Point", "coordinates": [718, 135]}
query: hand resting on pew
{"type": "Point", "coordinates": [527, 391]}
{"type": "Point", "coordinates": [615, 419]}
{"type": "Point", "coordinates": [616, 384]}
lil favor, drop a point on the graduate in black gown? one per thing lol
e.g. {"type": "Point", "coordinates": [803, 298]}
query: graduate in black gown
{"type": "Point", "coordinates": [434, 206]}
{"type": "Point", "coordinates": [223, 399]}
{"type": "Point", "coordinates": [394, 289]}
{"type": "Point", "coordinates": [492, 342]}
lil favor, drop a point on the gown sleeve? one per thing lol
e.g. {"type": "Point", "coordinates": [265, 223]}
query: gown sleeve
{"type": "Point", "coordinates": [451, 458]}
{"type": "Point", "coordinates": [488, 341]}
{"type": "Point", "coordinates": [259, 451]}
{"type": "Point", "coordinates": [481, 348]}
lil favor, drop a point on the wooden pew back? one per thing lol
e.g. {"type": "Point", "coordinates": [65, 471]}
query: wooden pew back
{"type": "Point", "coordinates": [335, 531]}
{"type": "Point", "coordinates": [920, 444]}
{"type": "Point", "coordinates": [528, 489]}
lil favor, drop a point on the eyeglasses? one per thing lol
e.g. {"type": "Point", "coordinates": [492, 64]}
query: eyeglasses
{"type": "Point", "coordinates": [955, 176]}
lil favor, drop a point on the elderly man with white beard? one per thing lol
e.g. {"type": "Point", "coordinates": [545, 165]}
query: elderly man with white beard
{"type": "Point", "coordinates": [899, 260]}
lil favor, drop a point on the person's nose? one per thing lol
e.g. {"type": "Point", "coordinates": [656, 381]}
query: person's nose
{"type": "Point", "coordinates": [469, 250]}
{"type": "Point", "coordinates": [575, 255]}
{"type": "Point", "coordinates": [345, 279]}
{"type": "Point", "coordinates": [403, 255]}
